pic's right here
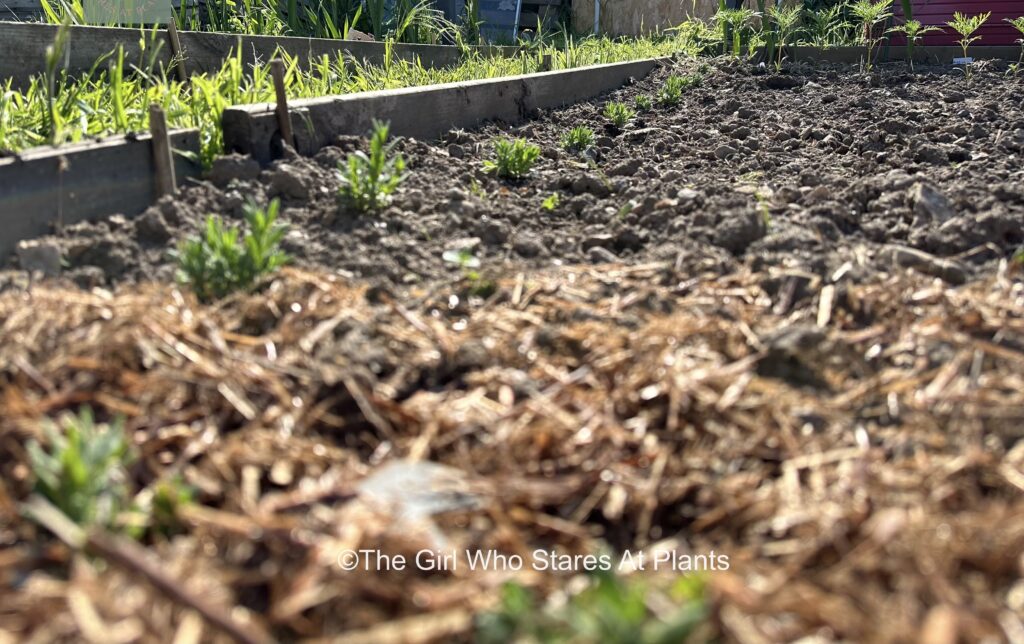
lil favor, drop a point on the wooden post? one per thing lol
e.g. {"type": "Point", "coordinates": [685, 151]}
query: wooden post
{"type": "Point", "coordinates": [284, 121]}
{"type": "Point", "coordinates": [545, 63]}
{"type": "Point", "coordinates": [177, 59]}
{"type": "Point", "coordinates": [163, 162]}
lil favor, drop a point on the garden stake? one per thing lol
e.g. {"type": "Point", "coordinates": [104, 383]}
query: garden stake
{"type": "Point", "coordinates": [545, 63]}
{"type": "Point", "coordinates": [284, 121]}
{"type": "Point", "coordinates": [179, 60]}
{"type": "Point", "coordinates": [163, 162]}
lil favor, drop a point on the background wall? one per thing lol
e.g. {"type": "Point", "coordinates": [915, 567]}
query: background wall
{"type": "Point", "coordinates": [632, 17]}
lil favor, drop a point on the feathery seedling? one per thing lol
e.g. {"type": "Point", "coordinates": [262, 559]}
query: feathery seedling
{"type": "Point", "coordinates": [785, 21]}
{"type": "Point", "coordinates": [513, 159]}
{"type": "Point", "coordinates": [219, 263]}
{"type": "Point", "coordinates": [914, 31]}
{"type": "Point", "coordinates": [870, 14]}
{"type": "Point", "coordinates": [618, 114]}
{"type": "Point", "coordinates": [643, 103]}
{"type": "Point", "coordinates": [83, 470]}
{"type": "Point", "coordinates": [1018, 24]}
{"type": "Point", "coordinates": [368, 181]}
{"type": "Point", "coordinates": [826, 27]}
{"type": "Point", "coordinates": [578, 139]}
{"type": "Point", "coordinates": [671, 93]}
{"type": "Point", "coordinates": [966, 26]}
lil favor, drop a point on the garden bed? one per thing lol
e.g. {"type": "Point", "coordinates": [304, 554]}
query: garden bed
{"type": "Point", "coordinates": [781, 320]}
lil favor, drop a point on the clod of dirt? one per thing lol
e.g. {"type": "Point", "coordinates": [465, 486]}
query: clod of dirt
{"type": "Point", "coordinates": [41, 257]}
{"type": "Point", "coordinates": [949, 270]}
{"type": "Point", "coordinates": [233, 167]}
{"type": "Point", "coordinates": [929, 203]}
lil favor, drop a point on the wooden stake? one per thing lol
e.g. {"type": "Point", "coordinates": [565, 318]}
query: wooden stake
{"type": "Point", "coordinates": [545, 63]}
{"type": "Point", "coordinates": [284, 120]}
{"type": "Point", "coordinates": [178, 59]}
{"type": "Point", "coordinates": [163, 162]}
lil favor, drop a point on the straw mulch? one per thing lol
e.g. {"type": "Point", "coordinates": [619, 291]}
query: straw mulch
{"type": "Point", "coordinates": [855, 447]}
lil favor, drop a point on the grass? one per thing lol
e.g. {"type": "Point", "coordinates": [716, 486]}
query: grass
{"type": "Point", "coordinates": [578, 139]}
{"type": "Point", "coordinates": [219, 263]}
{"type": "Point", "coordinates": [513, 158]}
{"type": "Point", "coordinates": [57, 108]}
{"type": "Point", "coordinates": [83, 470]}
{"type": "Point", "coordinates": [368, 180]}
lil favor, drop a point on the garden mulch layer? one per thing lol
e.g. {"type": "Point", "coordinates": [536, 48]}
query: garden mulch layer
{"type": "Point", "coordinates": [857, 455]}
{"type": "Point", "coordinates": [778, 321]}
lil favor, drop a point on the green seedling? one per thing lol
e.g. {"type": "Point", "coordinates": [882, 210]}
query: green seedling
{"type": "Point", "coordinates": [83, 470]}
{"type": "Point", "coordinates": [870, 14]}
{"type": "Point", "coordinates": [785, 21]}
{"type": "Point", "coordinates": [643, 103]}
{"type": "Point", "coordinates": [551, 202]}
{"type": "Point", "coordinates": [219, 263]}
{"type": "Point", "coordinates": [513, 158]}
{"type": "Point", "coordinates": [827, 28]}
{"type": "Point", "coordinates": [914, 31]}
{"type": "Point", "coordinates": [671, 93]}
{"type": "Point", "coordinates": [468, 263]}
{"type": "Point", "coordinates": [618, 114]}
{"type": "Point", "coordinates": [966, 26]}
{"type": "Point", "coordinates": [1018, 24]}
{"type": "Point", "coordinates": [368, 181]}
{"type": "Point", "coordinates": [578, 139]}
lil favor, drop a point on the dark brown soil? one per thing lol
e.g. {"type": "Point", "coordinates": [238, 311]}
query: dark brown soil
{"type": "Point", "coordinates": [807, 171]}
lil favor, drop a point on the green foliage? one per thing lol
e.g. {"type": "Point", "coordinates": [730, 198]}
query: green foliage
{"type": "Point", "coordinates": [369, 180]}
{"type": "Point", "coordinates": [513, 158]}
{"type": "Point", "coordinates": [914, 31]}
{"type": "Point", "coordinates": [671, 93]}
{"type": "Point", "coordinates": [83, 471]}
{"type": "Point", "coordinates": [218, 262]}
{"type": "Point", "coordinates": [551, 202]}
{"type": "Point", "coordinates": [966, 26]}
{"type": "Point", "coordinates": [1018, 24]}
{"type": "Point", "coordinates": [578, 138]}
{"type": "Point", "coordinates": [785, 21]}
{"type": "Point", "coordinates": [618, 114]}
{"type": "Point", "coordinates": [734, 26]}
{"type": "Point", "coordinates": [870, 14]}
{"type": "Point", "coordinates": [612, 610]}
{"type": "Point", "coordinates": [827, 26]}
{"type": "Point", "coordinates": [643, 103]}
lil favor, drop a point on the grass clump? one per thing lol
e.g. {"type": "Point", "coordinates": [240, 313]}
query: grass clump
{"type": "Point", "coordinates": [966, 26]}
{"type": "Point", "coordinates": [368, 181]}
{"type": "Point", "coordinates": [83, 472]}
{"type": "Point", "coordinates": [514, 158]}
{"type": "Point", "coordinates": [219, 263]}
{"type": "Point", "coordinates": [610, 610]}
{"type": "Point", "coordinates": [578, 139]}
{"type": "Point", "coordinates": [618, 114]}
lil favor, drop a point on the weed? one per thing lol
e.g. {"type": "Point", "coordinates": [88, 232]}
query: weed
{"type": "Point", "coordinates": [618, 114]}
{"type": "Point", "coordinates": [218, 263]}
{"type": "Point", "coordinates": [643, 103]}
{"type": "Point", "coordinates": [83, 473]}
{"type": "Point", "coordinates": [551, 202]}
{"type": "Point", "coordinates": [611, 609]}
{"type": "Point", "coordinates": [368, 181]}
{"type": "Point", "coordinates": [966, 26]}
{"type": "Point", "coordinates": [513, 158]}
{"type": "Point", "coordinates": [578, 139]}
{"type": "Point", "coordinates": [870, 14]}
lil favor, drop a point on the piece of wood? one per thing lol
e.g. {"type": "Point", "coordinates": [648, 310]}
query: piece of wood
{"type": "Point", "coordinates": [422, 112]}
{"type": "Point", "coordinates": [177, 56]}
{"type": "Point", "coordinates": [284, 120]}
{"type": "Point", "coordinates": [545, 63]}
{"type": "Point", "coordinates": [163, 160]}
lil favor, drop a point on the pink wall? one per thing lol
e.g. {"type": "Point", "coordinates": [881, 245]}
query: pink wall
{"type": "Point", "coordinates": [937, 12]}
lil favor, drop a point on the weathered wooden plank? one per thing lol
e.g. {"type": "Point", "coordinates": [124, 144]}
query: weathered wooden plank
{"type": "Point", "coordinates": [23, 47]}
{"type": "Point", "coordinates": [82, 181]}
{"type": "Point", "coordinates": [423, 112]}
{"type": "Point", "coordinates": [940, 55]}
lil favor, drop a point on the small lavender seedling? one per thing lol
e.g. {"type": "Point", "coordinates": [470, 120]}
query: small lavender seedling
{"type": "Point", "coordinates": [578, 139]}
{"type": "Point", "coordinates": [513, 158]}
{"type": "Point", "coordinates": [643, 103]}
{"type": "Point", "coordinates": [618, 114]}
{"type": "Point", "coordinates": [368, 181]}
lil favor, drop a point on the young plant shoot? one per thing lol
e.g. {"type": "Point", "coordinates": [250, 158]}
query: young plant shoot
{"type": "Point", "coordinates": [618, 114]}
{"type": "Point", "coordinates": [966, 26]}
{"type": "Point", "coordinates": [513, 158]}
{"type": "Point", "coordinates": [367, 181]}
{"type": "Point", "coordinates": [870, 14]}
{"type": "Point", "coordinates": [578, 139]}
{"type": "Point", "coordinates": [914, 31]}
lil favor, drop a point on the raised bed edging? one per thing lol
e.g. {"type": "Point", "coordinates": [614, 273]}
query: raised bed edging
{"type": "Point", "coordinates": [422, 112]}
{"type": "Point", "coordinates": [23, 47]}
{"type": "Point", "coordinates": [78, 182]}
{"type": "Point", "coordinates": [939, 55]}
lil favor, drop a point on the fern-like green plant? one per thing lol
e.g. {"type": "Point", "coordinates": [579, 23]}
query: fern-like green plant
{"type": "Point", "coordinates": [966, 26]}
{"type": "Point", "coordinates": [785, 21]}
{"type": "Point", "coordinates": [82, 471]}
{"type": "Point", "coordinates": [513, 159]}
{"type": "Point", "coordinates": [914, 31]}
{"type": "Point", "coordinates": [618, 114]}
{"type": "Point", "coordinates": [1018, 24]}
{"type": "Point", "coordinates": [578, 139]}
{"type": "Point", "coordinates": [368, 180]}
{"type": "Point", "coordinates": [870, 14]}
{"type": "Point", "coordinates": [219, 263]}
